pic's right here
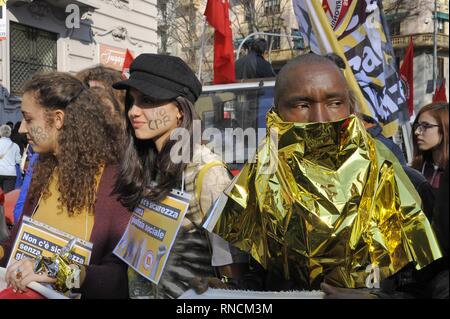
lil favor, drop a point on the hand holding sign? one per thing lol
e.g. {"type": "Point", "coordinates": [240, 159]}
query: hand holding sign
{"type": "Point", "coordinates": [21, 273]}
{"type": "Point", "coordinates": [56, 257]}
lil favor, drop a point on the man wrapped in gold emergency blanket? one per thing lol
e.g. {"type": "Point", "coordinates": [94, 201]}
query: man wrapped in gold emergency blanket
{"type": "Point", "coordinates": [333, 206]}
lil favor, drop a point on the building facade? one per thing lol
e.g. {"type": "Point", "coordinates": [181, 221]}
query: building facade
{"type": "Point", "coordinates": [183, 32]}
{"type": "Point", "coordinates": [415, 19]}
{"type": "Point", "coordinates": [68, 36]}
{"type": "Point", "coordinates": [270, 17]}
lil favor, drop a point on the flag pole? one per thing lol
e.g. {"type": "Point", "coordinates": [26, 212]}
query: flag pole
{"type": "Point", "coordinates": [202, 50]}
{"type": "Point", "coordinates": [435, 21]}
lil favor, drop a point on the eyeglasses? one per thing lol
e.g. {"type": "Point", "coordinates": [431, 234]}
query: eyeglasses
{"type": "Point", "coordinates": [422, 127]}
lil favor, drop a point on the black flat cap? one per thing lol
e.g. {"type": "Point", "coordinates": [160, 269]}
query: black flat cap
{"type": "Point", "coordinates": [162, 77]}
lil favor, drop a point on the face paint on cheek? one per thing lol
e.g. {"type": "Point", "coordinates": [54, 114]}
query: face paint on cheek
{"type": "Point", "coordinates": [38, 134]}
{"type": "Point", "coordinates": [162, 112]}
{"type": "Point", "coordinates": [161, 120]}
{"type": "Point", "coordinates": [158, 123]}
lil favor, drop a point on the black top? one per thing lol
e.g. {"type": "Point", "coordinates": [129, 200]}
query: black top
{"type": "Point", "coordinates": [253, 66]}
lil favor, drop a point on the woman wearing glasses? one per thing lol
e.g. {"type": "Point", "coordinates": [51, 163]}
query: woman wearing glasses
{"type": "Point", "coordinates": [430, 136]}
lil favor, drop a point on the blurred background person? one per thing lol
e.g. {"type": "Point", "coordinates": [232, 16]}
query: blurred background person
{"type": "Point", "coordinates": [430, 138]}
{"type": "Point", "coordinates": [104, 77]}
{"type": "Point", "coordinates": [10, 124]}
{"type": "Point", "coordinates": [9, 157]}
{"type": "Point", "coordinates": [19, 139]}
{"type": "Point", "coordinates": [254, 65]}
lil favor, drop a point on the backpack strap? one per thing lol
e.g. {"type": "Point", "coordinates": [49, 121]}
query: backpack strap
{"type": "Point", "coordinates": [198, 190]}
{"type": "Point", "coordinates": [201, 175]}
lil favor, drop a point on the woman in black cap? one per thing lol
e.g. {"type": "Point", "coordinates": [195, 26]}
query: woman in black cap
{"type": "Point", "coordinates": [161, 93]}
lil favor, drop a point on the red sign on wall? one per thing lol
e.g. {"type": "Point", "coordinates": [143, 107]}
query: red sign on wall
{"type": "Point", "coordinates": [112, 57]}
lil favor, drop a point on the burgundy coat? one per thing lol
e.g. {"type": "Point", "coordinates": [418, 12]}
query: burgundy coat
{"type": "Point", "coordinates": [106, 276]}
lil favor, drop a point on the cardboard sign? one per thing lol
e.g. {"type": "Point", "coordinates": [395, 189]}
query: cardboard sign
{"type": "Point", "coordinates": [35, 238]}
{"type": "Point", "coordinates": [146, 244]}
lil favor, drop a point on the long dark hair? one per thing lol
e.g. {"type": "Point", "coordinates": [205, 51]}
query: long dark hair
{"type": "Point", "coordinates": [88, 139]}
{"type": "Point", "coordinates": [142, 164]}
{"type": "Point", "coordinates": [439, 111]}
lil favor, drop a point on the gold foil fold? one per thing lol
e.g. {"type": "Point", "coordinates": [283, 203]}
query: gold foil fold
{"type": "Point", "coordinates": [337, 205]}
{"type": "Point", "coordinates": [61, 267]}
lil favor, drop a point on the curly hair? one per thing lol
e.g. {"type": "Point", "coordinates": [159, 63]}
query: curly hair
{"type": "Point", "coordinates": [87, 140]}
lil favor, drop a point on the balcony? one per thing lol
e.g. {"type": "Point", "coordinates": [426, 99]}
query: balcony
{"type": "Point", "coordinates": [420, 40]}
{"type": "Point", "coordinates": [277, 56]}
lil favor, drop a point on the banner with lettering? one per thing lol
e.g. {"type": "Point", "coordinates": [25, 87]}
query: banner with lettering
{"type": "Point", "coordinates": [146, 244]}
{"type": "Point", "coordinates": [35, 238]}
{"type": "Point", "coordinates": [356, 31]}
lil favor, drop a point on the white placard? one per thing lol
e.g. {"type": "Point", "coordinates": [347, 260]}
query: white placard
{"type": "Point", "coordinates": [249, 294]}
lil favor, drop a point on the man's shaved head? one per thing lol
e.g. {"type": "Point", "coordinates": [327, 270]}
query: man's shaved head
{"type": "Point", "coordinates": [306, 59]}
{"type": "Point", "coordinates": [312, 88]}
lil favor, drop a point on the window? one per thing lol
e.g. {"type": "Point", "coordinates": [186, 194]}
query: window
{"type": "Point", "coordinates": [271, 6]}
{"type": "Point", "coordinates": [274, 40]}
{"type": "Point", "coordinates": [31, 50]}
{"type": "Point", "coordinates": [236, 108]}
{"type": "Point", "coordinates": [395, 28]}
{"type": "Point", "coordinates": [440, 25]}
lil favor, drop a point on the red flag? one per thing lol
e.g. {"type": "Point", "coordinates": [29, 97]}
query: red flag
{"type": "Point", "coordinates": [126, 64]}
{"type": "Point", "coordinates": [439, 95]}
{"type": "Point", "coordinates": [217, 15]}
{"type": "Point", "coordinates": [406, 73]}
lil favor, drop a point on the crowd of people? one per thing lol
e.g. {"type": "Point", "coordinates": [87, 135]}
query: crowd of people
{"type": "Point", "coordinates": [334, 199]}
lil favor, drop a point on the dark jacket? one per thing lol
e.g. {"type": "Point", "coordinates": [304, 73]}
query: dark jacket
{"type": "Point", "coordinates": [106, 276]}
{"type": "Point", "coordinates": [441, 211]}
{"type": "Point", "coordinates": [424, 189]}
{"type": "Point", "coordinates": [253, 66]}
{"type": "Point", "coordinates": [376, 132]}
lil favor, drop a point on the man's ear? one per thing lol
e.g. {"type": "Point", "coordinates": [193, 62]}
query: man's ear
{"type": "Point", "coordinates": [59, 119]}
